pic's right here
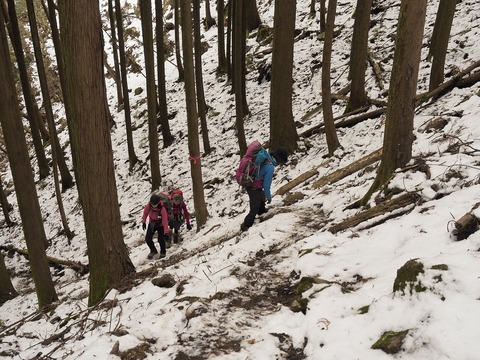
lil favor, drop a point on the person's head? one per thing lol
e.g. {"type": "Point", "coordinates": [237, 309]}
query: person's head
{"type": "Point", "coordinates": [280, 155]}
{"type": "Point", "coordinates": [154, 200]}
{"type": "Point", "coordinates": [177, 199]}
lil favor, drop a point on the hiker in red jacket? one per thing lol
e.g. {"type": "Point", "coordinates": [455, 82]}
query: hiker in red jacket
{"type": "Point", "coordinates": [180, 214]}
{"type": "Point", "coordinates": [157, 221]}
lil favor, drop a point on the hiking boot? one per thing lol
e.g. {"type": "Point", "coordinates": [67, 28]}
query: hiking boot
{"type": "Point", "coordinates": [243, 227]}
{"type": "Point", "coordinates": [261, 212]}
{"type": "Point", "coordinates": [151, 255]}
{"type": "Point", "coordinates": [168, 244]}
{"type": "Point", "coordinates": [162, 255]}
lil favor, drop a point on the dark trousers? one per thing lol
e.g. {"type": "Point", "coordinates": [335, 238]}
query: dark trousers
{"type": "Point", "coordinates": [257, 205]}
{"type": "Point", "coordinates": [152, 227]}
{"type": "Point", "coordinates": [176, 222]}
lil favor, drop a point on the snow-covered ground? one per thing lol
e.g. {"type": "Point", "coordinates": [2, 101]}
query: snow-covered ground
{"type": "Point", "coordinates": [234, 294]}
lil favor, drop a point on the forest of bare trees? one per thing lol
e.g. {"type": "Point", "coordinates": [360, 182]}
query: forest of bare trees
{"type": "Point", "coordinates": [79, 85]}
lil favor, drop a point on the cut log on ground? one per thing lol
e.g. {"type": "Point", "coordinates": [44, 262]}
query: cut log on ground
{"type": "Point", "coordinates": [469, 80]}
{"type": "Point", "coordinates": [333, 177]}
{"type": "Point", "coordinates": [348, 170]}
{"type": "Point", "coordinates": [345, 123]}
{"type": "Point", "coordinates": [466, 225]}
{"type": "Point", "coordinates": [443, 88]}
{"type": "Point", "coordinates": [377, 70]}
{"type": "Point", "coordinates": [381, 209]}
{"type": "Point", "coordinates": [74, 265]}
{"type": "Point", "coordinates": [357, 119]}
{"type": "Point", "coordinates": [298, 180]}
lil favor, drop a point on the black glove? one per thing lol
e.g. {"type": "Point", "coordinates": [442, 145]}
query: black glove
{"type": "Point", "coordinates": [144, 226]}
{"type": "Point", "coordinates": [189, 227]}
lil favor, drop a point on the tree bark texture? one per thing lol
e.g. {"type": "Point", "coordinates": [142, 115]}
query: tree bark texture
{"type": "Point", "coordinates": [91, 146]}
{"type": "Point", "coordinates": [238, 37]}
{"type": "Point", "coordinates": [132, 157]}
{"type": "Point", "coordinates": [146, 14]}
{"type": "Point", "coordinates": [222, 60]}
{"type": "Point", "coordinates": [398, 137]}
{"type": "Point", "coordinates": [7, 291]}
{"type": "Point", "coordinates": [116, 64]}
{"type": "Point", "coordinates": [30, 104]}
{"type": "Point", "coordinates": [439, 42]}
{"type": "Point", "coordinates": [330, 132]}
{"type": "Point", "coordinates": [358, 55]}
{"type": "Point", "coordinates": [252, 17]}
{"type": "Point", "coordinates": [180, 69]}
{"type": "Point", "coordinates": [283, 131]}
{"type": "Point", "coordinates": [202, 106]}
{"type": "Point", "coordinates": [67, 179]}
{"type": "Point", "coordinates": [10, 119]}
{"type": "Point", "coordinates": [162, 92]}
{"type": "Point", "coordinates": [201, 213]}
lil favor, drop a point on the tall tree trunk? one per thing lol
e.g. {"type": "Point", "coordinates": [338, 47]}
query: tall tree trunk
{"type": "Point", "coordinates": [398, 136]}
{"type": "Point", "coordinates": [52, 18]}
{"type": "Point", "coordinates": [202, 108]}
{"type": "Point", "coordinates": [113, 40]}
{"type": "Point", "coordinates": [238, 35]}
{"type": "Point", "coordinates": [252, 18]}
{"type": "Point", "coordinates": [229, 40]}
{"type": "Point", "coordinates": [243, 53]}
{"type": "Point", "coordinates": [439, 43]}
{"type": "Point", "coordinates": [162, 92]}
{"type": "Point", "coordinates": [209, 20]}
{"type": "Point", "coordinates": [330, 131]}
{"type": "Point", "coordinates": [322, 15]}
{"type": "Point", "coordinates": [312, 8]}
{"type": "Point", "coordinates": [10, 119]}
{"type": "Point", "coordinates": [6, 207]}
{"type": "Point", "coordinates": [201, 212]}
{"type": "Point", "coordinates": [181, 74]}
{"type": "Point", "coordinates": [7, 291]}
{"type": "Point", "coordinates": [358, 56]}
{"type": "Point", "coordinates": [50, 121]}
{"type": "Point", "coordinates": [282, 125]}
{"type": "Point", "coordinates": [222, 61]}
{"type": "Point", "coordinates": [146, 15]}
{"type": "Point", "coordinates": [32, 109]}
{"type": "Point", "coordinates": [67, 179]}
{"type": "Point", "coordinates": [132, 157]}
{"type": "Point", "coordinates": [91, 146]}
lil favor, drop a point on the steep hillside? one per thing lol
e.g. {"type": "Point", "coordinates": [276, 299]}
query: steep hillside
{"type": "Point", "coordinates": [288, 288]}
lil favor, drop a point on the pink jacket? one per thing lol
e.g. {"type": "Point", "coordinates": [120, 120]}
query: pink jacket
{"type": "Point", "coordinates": [153, 215]}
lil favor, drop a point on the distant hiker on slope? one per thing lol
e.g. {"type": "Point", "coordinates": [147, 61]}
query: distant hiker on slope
{"type": "Point", "coordinates": [180, 214]}
{"type": "Point", "coordinates": [158, 221]}
{"type": "Point", "coordinates": [255, 174]}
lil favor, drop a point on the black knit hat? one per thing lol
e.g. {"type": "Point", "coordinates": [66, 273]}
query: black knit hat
{"type": "Point", "coordinates": [154, 200]}
{"type": "Point", "coordinates": [280, 155]}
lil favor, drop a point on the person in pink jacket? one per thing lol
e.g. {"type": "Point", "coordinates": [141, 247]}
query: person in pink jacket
{"type": "Point", "coordinates": [157, 221]}
{"type": "Point", "coordinates": [180, 214]}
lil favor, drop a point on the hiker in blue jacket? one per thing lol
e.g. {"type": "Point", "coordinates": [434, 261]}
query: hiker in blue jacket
{"type": "Point", "coordinates": [260, 189]}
